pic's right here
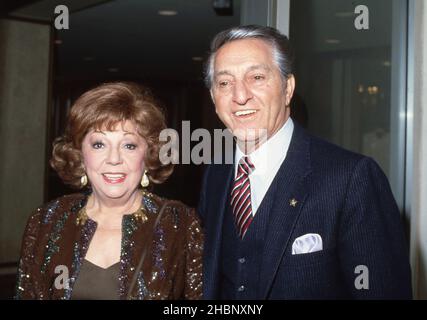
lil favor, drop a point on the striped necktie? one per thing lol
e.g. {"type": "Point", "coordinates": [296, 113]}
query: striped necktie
{"type": "Point", "coordinates": [241, 196]}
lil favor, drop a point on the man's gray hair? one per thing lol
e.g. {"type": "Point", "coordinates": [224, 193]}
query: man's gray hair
{"type": "Point", "coordinates": [283, 54]}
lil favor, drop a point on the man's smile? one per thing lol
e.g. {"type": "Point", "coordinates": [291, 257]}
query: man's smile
{"type": "Point", "coordinates": [245, 113]}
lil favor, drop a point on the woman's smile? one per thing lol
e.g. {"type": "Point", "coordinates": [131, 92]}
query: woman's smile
{"type": "Point", "coordinates": [114, 178]}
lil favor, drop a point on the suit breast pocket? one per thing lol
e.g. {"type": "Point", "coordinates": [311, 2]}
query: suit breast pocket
{"type": "Point", "coordinates": [313, 258]}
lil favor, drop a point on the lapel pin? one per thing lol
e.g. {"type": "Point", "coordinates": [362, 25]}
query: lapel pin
{"type": "Point", "coordinates": [293, 202]}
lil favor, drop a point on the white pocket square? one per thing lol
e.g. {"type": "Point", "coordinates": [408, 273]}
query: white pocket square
{"type": "Point", "coordinates": [310, 242]}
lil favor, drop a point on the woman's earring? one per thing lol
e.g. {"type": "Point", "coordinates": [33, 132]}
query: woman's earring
{"type": "Point", "coordinates": [145, 181]}
{"type": "Point", "coordinates": [83, 180]}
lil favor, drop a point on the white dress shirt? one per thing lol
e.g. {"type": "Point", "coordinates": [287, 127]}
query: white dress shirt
{"type": "Point", "coordinates": [267, 160]}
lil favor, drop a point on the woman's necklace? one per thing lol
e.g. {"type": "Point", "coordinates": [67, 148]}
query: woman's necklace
{"type": "Point", "coordinates": [140, 214]}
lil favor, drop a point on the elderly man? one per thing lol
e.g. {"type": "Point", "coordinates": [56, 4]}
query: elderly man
{"type": "Point", "coordinates": [294, 217]}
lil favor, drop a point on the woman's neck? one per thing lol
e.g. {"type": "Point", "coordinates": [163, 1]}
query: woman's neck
{"type": "Point", "coordinates": [109, 212]}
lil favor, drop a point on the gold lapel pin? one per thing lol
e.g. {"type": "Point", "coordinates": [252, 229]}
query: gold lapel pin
{"type": "Point", "coordinates": [293, 202]}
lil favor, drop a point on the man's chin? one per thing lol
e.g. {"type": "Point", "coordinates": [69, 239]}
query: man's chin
{"type": "Point", "coordinates": [250, 136]}
{"type": "Point", "coordinates": [250, 143]}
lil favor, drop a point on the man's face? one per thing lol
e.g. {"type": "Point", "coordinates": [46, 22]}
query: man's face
{"type": "Point", "coordinates": [248, 90]}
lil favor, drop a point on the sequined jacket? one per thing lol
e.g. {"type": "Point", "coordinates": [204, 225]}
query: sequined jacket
{"type": "Point", "coordinates": [171, 269]}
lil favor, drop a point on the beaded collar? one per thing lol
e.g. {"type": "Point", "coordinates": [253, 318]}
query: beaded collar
{"type": "Point", "coordinates": [140, 214]}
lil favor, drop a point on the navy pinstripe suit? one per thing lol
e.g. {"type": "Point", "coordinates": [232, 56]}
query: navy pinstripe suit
{"type": "Point", "coordinates": [342, 196]}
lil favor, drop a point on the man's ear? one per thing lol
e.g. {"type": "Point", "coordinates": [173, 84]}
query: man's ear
{"type": "Point", "coordinates": [290, 87]}
{"type": "Point", "coordinates": [212, 96]}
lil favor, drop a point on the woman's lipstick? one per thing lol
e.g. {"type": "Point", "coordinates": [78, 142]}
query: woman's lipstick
{"type": "Point", "coordinates": [114, 178]}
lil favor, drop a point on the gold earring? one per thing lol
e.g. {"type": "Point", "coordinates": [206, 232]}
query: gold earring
{"type": "Point", "coordinates": [83, 180]}
{"type": "Point", "coordinates": [145, 181]}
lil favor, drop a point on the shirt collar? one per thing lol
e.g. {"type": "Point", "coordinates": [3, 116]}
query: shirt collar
{"type": "Point", "coordinates": [271, 153]}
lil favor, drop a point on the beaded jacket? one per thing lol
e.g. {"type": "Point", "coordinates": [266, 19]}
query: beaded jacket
{"type": "Point", "coordinates": [172, 247]}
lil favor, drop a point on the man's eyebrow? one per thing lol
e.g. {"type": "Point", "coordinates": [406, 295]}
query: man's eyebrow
{"type": "Point", "coordinates": [99, 131]}
{"type": "Point", "coordinates": [223, 72]}
{"type": "Point", "coordinates": [259, 66]}
{"type": "Point", "coordinates": [251, 68]}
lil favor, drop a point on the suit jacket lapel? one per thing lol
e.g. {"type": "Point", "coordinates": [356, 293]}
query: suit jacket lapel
{"type": "Point", "coordinates": [218, 206]}
{"type": "Point", "coordinates": [288, 187]}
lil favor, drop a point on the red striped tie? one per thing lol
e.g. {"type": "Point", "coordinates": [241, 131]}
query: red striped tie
{"type": "Point", "coordinates": [241, 196]}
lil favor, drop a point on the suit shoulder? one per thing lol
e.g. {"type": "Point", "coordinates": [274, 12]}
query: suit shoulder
{"type": "Point", "coordinates": [330, 160]}
{"type": "Point", "coordinates": [324, 149]}
{"type": "Point", "coordinates": [324, 153]}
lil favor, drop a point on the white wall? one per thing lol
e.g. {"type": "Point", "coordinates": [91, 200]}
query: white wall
{"type": "Point", "coordinates": [282, 16]}
{"type": "Point", "coordinates": [419, 178]}
{"type": "Point", "coordinates": [24, 75]}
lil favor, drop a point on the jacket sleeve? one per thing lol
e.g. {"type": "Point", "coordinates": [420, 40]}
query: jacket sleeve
{"type": "Point", "coordinates": [194, 258]}
{"type": "Point", "coordinates": [26, 279]}
{"type": "Point", "coordinates": [372, 246]}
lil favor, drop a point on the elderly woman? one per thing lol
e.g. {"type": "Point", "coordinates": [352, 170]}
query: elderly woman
{"type": "Point", "coordinates": [117, 240]}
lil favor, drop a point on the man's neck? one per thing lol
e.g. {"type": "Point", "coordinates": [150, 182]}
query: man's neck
{"type": "Point", "coordinates": [249, 146]}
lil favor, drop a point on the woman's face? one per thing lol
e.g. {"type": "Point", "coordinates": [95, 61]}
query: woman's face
{"type": "Point", "coordinates": [114, 160]}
